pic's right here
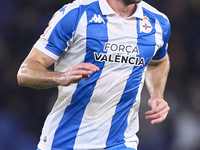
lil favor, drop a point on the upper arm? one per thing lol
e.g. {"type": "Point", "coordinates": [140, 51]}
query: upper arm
{"type": "Point", "coordinates": [157, 62]}
{"type": "Point", "coordinates": [37, 56]}
{"type": "Point", "coordinates": [34, 67]}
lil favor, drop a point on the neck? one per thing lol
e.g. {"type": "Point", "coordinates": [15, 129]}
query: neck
{"type": "Point", "coordinates": [122, 9]}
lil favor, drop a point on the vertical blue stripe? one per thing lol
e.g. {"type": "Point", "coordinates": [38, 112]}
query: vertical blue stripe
{"type": "Point", "coordinates": [62, 32]}
{"type": "Point", "coordinates": [68, 128]}
{"type": "Point", "coordinates": [146, 41]}
{"type": "Point", "coordinates": [146, 44]}
{"type": "Point", "coordinates": [119, 121]}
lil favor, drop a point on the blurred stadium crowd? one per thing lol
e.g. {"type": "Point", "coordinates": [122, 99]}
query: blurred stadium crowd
{"type": "Point", "coordinates": [23, 110]}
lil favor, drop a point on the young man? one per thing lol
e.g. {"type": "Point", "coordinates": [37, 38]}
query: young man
{"type": "Point", "coordinates": [102, 50]}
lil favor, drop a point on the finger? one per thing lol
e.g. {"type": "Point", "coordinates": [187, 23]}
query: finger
{"type": "Point", "coordinates": [158, 120]}
{"type": "Point", "coordinates": [78, 76]}
{"type": "Point", "coordinates": [159, 117]}
{"type": "Point", "coordinates": [76, 81]}
{"type": "Point", "coordinates": [158, 114]}
{"type": "Point", "coordinates": [86, 66]}
{"type": "Point", "coordinates": [84, 73]}
{"type": "Point", "coordinates": [75, 77]}
{"type": "Point", "coordinates": [86, 76]}
{"type": "Point", "coordinates": [157, 109]}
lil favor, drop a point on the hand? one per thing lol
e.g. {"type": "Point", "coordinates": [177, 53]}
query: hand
{"type": "Point", "coordinates": [76, 73]}
{"type": "Point", "coordinates": [159, 110]}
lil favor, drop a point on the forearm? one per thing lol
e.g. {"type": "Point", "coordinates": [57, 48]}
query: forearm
{"type": "Point", "coordinates": [34, 72]}
{"type": "Point", "coordinates": [35, 75]}
{"type": "Point", "coordinates": [156, 77]}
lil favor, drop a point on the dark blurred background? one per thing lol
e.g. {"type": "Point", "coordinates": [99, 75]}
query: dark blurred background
{"type": "Point", "coordinates": [23, 110]}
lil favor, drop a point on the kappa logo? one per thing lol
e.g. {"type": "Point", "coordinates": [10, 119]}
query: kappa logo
{"type": "Point", "coordinates": [97, 19]}
{"type": "Point", "coordinates": [45, 139]}
{"type": "Point", "coordinates": [63, 9]}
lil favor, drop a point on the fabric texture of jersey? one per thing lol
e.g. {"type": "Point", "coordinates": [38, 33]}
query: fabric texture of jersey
{"type": "Point", "coordinates": [100, 112]}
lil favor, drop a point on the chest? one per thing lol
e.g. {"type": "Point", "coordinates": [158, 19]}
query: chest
{"type": "Point", "coordinates": [118, 40]}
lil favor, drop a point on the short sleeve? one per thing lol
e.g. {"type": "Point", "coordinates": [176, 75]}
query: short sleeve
{"type": "Point", "coordinates": [162, 51]}
{"type": "Point", "coordinates": [54, 40]}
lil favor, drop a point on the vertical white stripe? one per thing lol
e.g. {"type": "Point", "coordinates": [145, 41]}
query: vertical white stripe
{"type": "Point", "coordinates": [158, 36]}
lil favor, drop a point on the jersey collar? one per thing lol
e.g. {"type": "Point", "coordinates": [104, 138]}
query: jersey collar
{"type": "Point", "coordinates": [107, 10]}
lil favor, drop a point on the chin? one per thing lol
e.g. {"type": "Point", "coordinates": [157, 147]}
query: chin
{"type": "Point", "coordinates": [129, 2]}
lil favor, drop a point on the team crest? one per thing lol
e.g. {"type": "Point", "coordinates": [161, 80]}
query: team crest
{"type": "Point", "coordinates": [145, 25]}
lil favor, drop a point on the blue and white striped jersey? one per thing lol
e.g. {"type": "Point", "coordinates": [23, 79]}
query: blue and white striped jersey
{"type": "Point", "coordinates": [100, 112]}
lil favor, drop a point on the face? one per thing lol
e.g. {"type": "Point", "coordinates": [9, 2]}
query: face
{"type": "Point", "coordinates": [128, 2]}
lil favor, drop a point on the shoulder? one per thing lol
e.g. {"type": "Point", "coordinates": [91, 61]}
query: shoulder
{"type": "Point", "coordinates": [153, 10]}
{"type": "Point", "coordinates": [71, 13]}
{"type": "Point", "coordinates": [155, 13]}
{"type": "Point", "coordinates": [79, 5]}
